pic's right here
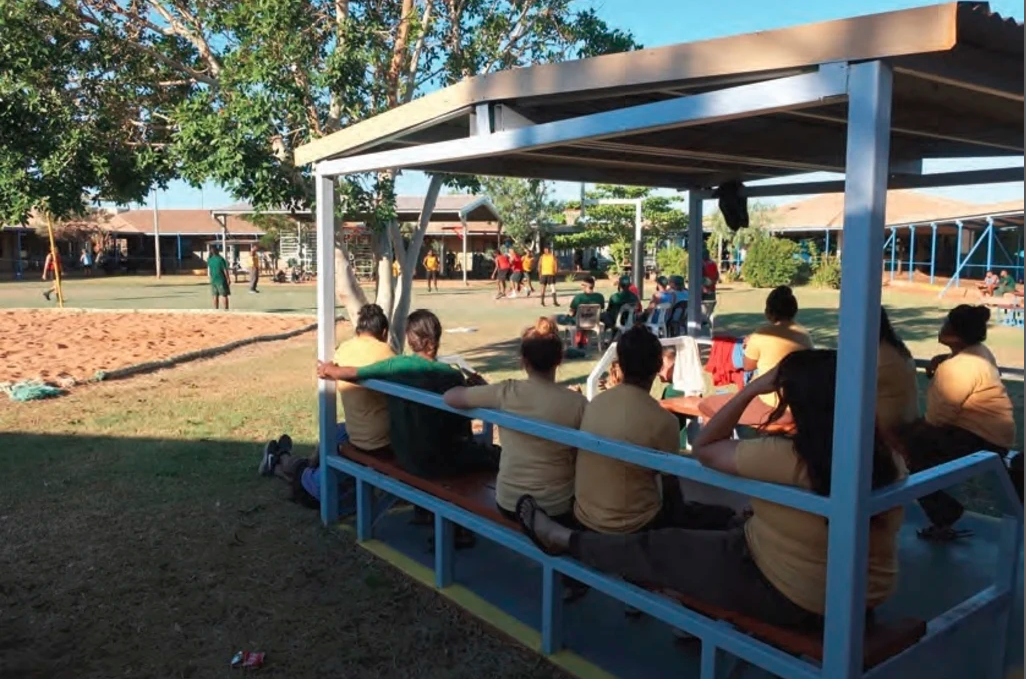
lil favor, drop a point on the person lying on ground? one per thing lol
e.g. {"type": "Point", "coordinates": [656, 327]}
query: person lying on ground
{"type": "Point", "coordinates": [967, 410]}
{"type": "Point", "coordinates": [773, 565]}
{"type": "Point", "coordinates": [528, 464]}
{"type": "Point", "coordinates": [612, 496]}
{"type": "Point", "coordinates": [426, 441]}
{"type": "Point", "coordinates": [897, 393]}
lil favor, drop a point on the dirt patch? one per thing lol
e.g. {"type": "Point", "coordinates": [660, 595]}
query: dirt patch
{"type": "Point", "coordinates": [53, 346]}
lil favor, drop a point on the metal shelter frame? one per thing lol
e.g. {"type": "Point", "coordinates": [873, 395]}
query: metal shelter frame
{"type": "Point", "coordinates": [866, 89]}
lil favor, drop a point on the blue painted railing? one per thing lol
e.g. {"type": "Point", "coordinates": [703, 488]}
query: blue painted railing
{"type": "Point", "coordinates": [990, 605]}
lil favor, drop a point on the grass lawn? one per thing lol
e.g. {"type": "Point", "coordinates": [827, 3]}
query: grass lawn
{"type": "Point", "coordinates": [139, 541]}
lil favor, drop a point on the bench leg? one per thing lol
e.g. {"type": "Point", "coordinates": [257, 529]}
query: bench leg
{"type": "Point", "coordinates": [552, 610]}
{"type": "Point", "coordinates": [384, 504]}
{"type": "Point", "coordinates": [364, 510]}
{"type": "Point", "coordinates": [716, 664]}
{"type": "Point", "coordinates": [444, 551]}
{"type": "Point", "coordinates": [1008, 565]}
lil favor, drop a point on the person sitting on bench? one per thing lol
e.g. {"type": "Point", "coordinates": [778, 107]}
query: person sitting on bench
{"type": "Point", "coordinates": [989, 284]}
{"type": "Point", "coordinates": [1005, 286]}
{"type": "Point", "coordinates": [967, 410]}
{"type": "Point", "coordinates": [618, 497]}
{"type": "Point", "coordinates": [528, 464]}
{"type": "Point", "coordinates": [897, 393]}
{"type": "Point", "coordinates": [426, 441]}
{"type": "Point", "coordinates": [587, 295]}
{"type": "Point", "coordinates": [773, 566]}
{"type": "Point", "coordinates": [623, 296]}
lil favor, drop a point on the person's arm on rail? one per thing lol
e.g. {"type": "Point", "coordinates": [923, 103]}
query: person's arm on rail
{"type": "Point", "coordinates": [480, 396]}
{"type": "Point", "coordinates": [327, 370]}
{"type": "Point", "coordinates": [714, 446]}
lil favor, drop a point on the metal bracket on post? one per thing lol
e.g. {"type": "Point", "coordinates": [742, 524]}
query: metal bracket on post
{"type": "Point", "coordinates": [865, 199]}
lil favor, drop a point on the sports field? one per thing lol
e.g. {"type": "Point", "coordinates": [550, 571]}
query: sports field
{"type": "Point", "coordinates": [139, 541]}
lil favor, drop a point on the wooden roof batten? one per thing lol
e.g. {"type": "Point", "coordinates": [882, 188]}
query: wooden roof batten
{"type": "Point", "coordinates": [958, 92]}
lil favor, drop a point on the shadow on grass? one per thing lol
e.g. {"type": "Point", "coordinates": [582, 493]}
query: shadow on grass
{"type": "Point", "coordinates": [161, 557]}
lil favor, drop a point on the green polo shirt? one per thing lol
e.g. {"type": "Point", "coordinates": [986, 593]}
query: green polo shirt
{"type": "Point", "coordinates": [587, 298]}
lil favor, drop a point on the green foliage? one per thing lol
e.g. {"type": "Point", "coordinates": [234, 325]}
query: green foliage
{"type": "Point", "coordinates": [614, 224]}
{"type": "Point", "coordinates": [760, 217]}
{"type": "Point", "coordinates": [827, 274]}
{"type": "Point", "coordinates": [771, 262]}
{"type": "Point", "coordinates": [111, 98]}
{"type": "Point", "coordinates": [673, 261]}
{"type": "Point", "coordinates": [523, 205]}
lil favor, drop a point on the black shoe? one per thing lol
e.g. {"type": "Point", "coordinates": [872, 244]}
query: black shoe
{"type": "Point", "coordinates": [47, 295]}
{"type": "Point", "coordinates": [269, 460]}
{"type": "Point", "coordinates": [285, 445]}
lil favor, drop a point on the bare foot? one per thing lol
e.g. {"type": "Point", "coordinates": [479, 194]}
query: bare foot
{"type": "Point", "coordinates": [550, 536]}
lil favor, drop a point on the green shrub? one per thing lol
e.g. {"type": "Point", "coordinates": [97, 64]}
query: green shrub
{"type": "Point", "coordinates": [771, 262]}
{"type": "Point", "coordinates": [827, 274]}
{"type": "Point", "coordinates": [728, 276]}
{"type": "Point", "coordinates": [673, 261]}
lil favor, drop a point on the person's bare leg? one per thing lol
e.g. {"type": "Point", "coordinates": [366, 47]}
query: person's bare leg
{"type": "Point", "coordinates": [217, 302]}
{"type": "Point", "coordinates": [226, 304]}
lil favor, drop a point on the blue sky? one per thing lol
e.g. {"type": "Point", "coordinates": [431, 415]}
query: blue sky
{"type": "Point", "coordinates": [664, 22]}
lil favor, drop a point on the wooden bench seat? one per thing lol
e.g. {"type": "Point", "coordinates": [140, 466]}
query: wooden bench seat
{"type": "Point", "coordinates": [883, 640]}
{"type": "Point", "coordinates": [472, 492]}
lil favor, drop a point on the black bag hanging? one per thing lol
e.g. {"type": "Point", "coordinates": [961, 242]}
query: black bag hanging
{"type": "Point", "coordinates": [733, 204]}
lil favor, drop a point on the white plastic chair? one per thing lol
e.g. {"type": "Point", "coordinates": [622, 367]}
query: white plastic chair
{"type": "Point", "coordinates": [624, 319]}
{"type": "Point", "coordinates": [658, 319]}
{"type": "Point", "coordinates": [589, 321]}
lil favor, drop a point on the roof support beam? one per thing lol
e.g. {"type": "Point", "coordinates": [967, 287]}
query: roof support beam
{"type": "Point", "coordinates": [898, 181]}
{"type": "Point", "coordinates": [811, 89]}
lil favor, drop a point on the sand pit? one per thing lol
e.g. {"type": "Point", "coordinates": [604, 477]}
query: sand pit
{"type": "Point", "coordinates": [55, 346]}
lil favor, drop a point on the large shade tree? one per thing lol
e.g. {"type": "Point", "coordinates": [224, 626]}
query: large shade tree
{"type": "Point", "coordinates": [524, 206]}
{"type": "Point", "coordinates": [219, 91]}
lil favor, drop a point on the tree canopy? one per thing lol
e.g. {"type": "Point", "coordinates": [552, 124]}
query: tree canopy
{"type": "Point", "coordinates": [524, 205]}
{"type": "Point", "coordinates": [613, 225]}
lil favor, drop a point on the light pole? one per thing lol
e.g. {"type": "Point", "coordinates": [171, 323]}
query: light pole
{"type": "Point", "coordinates": [156, 233]}
{"type": "Point", "coordinates": [638, 252]}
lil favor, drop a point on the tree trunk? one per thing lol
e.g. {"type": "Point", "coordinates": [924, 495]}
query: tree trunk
{"type": "Point", "coordinates": [347, 287]}
{"type": "Point", "coordinates": [404, 287]}
{"type": "Point", "coordinates": [383, 265]}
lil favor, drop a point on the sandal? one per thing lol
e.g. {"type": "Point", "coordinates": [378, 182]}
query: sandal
{"type": "Point", "coordinates": [525, 511]}
{"type": "Point", "coordinates": [942, 534]}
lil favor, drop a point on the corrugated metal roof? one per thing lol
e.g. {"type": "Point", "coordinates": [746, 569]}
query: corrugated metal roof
{"type": "Point", "coordinates": [475, 208]}
{"type": "Point", "coordinates": [175, 222]}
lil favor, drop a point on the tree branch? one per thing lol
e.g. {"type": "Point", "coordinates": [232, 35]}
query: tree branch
{"type": "Point", "coordinates": [195, 37]}
{"type": "Point", "coordinates": [411, 74]}
{"type": "Point", "coordinates": [399, 52]}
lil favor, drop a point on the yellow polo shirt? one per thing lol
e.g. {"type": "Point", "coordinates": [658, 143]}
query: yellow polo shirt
{"type": "Point", "coordinates": [528, 262]}
{"type": "Point", "coordinates": [790, 546]}
{"type": "Point", "coordinates": [768, 345]}
{"type": "Point", "coordinates": [612, 496]}
{"type": "Point", "coordinates": [897, 395]}
{"type": "Point", "coordinates": [967, 392]}
{"type": "Point", "coordinates": [547, 265]}
{"type": "Point", "coordinates": [366, 411]}
{"type": "Point", "coordinates": [528, 464]}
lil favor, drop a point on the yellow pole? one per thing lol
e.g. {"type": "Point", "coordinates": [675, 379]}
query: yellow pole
{"type": "Point", "coordinates": [56, 261]}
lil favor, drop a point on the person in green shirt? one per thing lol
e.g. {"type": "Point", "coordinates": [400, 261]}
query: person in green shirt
{"type": "Point", "coordinates": [1006, 284]}
{"type": "Point", "coordinates": [426, 441]}
{"type": "Point", "coordinates": [217, 271]}
{"type": "Point", "coordinates": [617, 300]}
{"type": "Point", "coordinates": [587, 295]}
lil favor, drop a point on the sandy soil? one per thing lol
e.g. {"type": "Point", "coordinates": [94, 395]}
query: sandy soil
{"type": "Point", "coordinates": [54, 346]}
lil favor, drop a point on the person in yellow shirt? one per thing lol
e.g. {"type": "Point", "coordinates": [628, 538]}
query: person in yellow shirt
{"type": "Point", "coordinates": [768, 345]}
{"type": "Point", "coordinates": [547, 269]}
{"type": "Point", "coordinates": [773, 565]}
{"type": "Point", "coordinates": [897, 394]}
{"type": "Point", "coordinates": [528, 464]}
{"type": "Point", "coordinates": [612, 496]}
{"type": "Point", "coordinates": [528, 261]}
{"type": "Point", "coordinates": [366, 412]}
{"type": "Point", "coordinates": [431, 266]}
{"type": "Point", "coordinates": [967, 410]}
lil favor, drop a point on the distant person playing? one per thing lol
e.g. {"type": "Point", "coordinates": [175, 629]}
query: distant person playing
{"type": "Point", "coordinates": [501, 273]}
{"type": "Point", "coordinates": [622, 297]}
{"type": "Point", "coordinates": [51, 269]}
{"type": "Point", "coordinates": [86, 258]}
{"type": "Point", "coordinates": [587, 295]}
{"type": "Point", "coordinates": [1006, 285]}
{"type": "Point", "coordinates": [529, 464]}
{"type": "Point", "coordinates": [516, 277]}
{"type": "Point", "coordinates": [254, 269]}
{"type": "Point", "coordinates": [217, 273]}
{"type": "Point", "coordinates": [366, 425]}
{"type": "Point", "coordinates": [528, 262]}
{"type": "Point", "coordinates": [710, 276]}
{"type": "Point", "coordinates": [967, 410]}
{"type": "Point", "coordinates": [547, 268]}
{"type": "Point", "coordinates": [431, 265]}
{"type": "Point", "coordinates": [426, 441]}
{"type": "Point", "coordinates": [450, 264]}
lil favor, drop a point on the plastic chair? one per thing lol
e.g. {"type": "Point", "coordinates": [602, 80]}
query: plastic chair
{"type": "Point", "coordinates": [624, 319]}
{"type": "Point", "coordinates": [658, 320]}
{"type": "Point", "coordinates": [677, 319]}
{"type": "Point", "coordinates": [589, 321]}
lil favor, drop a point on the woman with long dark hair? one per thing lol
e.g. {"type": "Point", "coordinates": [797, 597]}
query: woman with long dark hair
{"type": "Point", "coordinates": [897, 395]}
{"type": "Point", "coordinates": [773, 566]}
{"type": "Point", "coordinates": [967, 410]}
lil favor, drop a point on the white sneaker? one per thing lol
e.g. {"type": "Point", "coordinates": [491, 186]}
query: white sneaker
{"type": "Point", "coordinates": [513, 295]}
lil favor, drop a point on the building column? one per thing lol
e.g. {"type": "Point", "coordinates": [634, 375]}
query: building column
{"type": "Point", "coordinates": [933, 251]}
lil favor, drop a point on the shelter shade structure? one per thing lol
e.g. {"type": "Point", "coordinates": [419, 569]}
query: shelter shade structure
{"type": "Point", "coordinates": [869, 97]}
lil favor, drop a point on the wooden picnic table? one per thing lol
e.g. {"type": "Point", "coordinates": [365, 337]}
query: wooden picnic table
{"type": "Point", "coordinates": [706, 407]}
